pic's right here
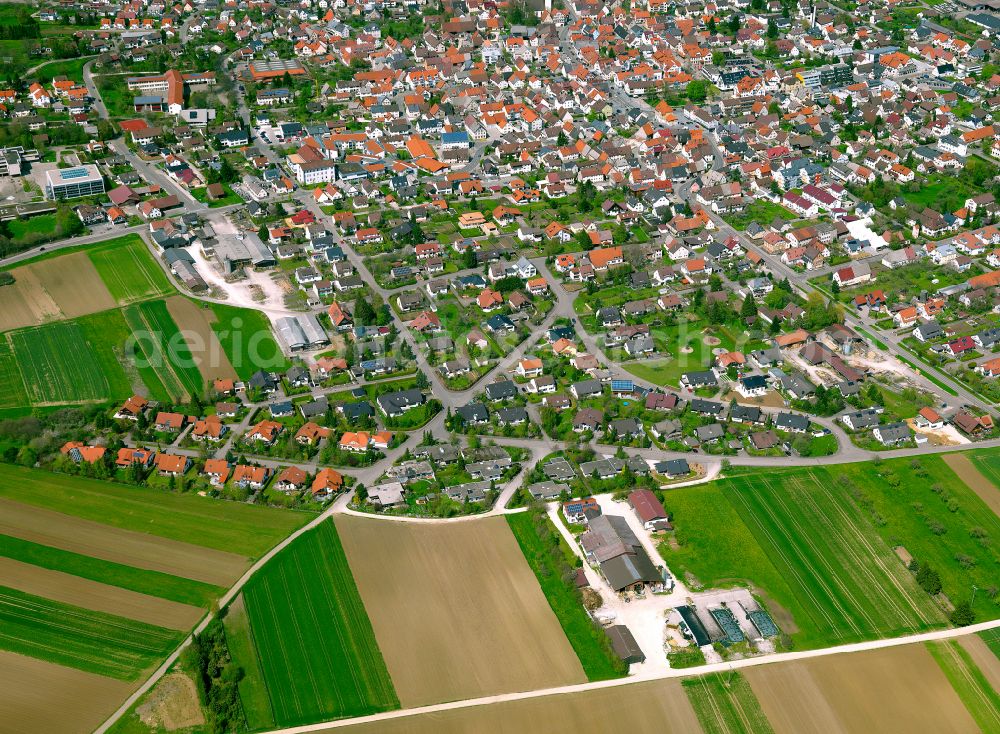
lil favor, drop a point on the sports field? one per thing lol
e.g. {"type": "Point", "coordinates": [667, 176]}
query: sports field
{"type": "Point", "coordinates": [95, 642]}
{"type": "Point", "coordinates": [129, 271]}
{"type": "Point", "coordinates": [725, 704]}
{"type": "Point", "coordinates": [818, 544]}
{"type": "Point", "coordinates": [472, 605]}
{"type": "Point", "coordinates": [316, 648]}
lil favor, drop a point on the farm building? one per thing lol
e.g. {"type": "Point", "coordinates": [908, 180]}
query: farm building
{"type": "Point", "coordinates": [649, 510]}
{"type": "Point", "coordinates": [624, 644]}
{"type": "Point", "coordinates": [623, 561]}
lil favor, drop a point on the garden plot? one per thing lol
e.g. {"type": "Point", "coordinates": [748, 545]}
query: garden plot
{"type": "Point", "coordinates": [473, 606]}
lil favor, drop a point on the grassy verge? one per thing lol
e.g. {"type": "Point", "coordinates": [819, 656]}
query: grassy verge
{"type": "Point", "coordinates": [542, 546]}
{"type": "Point", "coordinates": [982, 702]}
{"type": "Point", "coordinates": [79, 638]}
{"type": "Point", "coordinates": [154, 583]}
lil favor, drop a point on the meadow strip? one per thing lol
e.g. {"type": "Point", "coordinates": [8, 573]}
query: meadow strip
{"type": "Point", "coordinates": [725, 704]}
{"type": "Point", "coordinates": [968, 472]}
{"type": "Point", "coordinates": [98, 643]}
{"type": "Point", "coordinates": [152, 583]}
{"type": "Point", "coordinates": [253, 691]}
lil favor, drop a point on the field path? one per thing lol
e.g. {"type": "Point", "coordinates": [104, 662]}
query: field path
{"type": "Point", "coordinates": [974, 479]}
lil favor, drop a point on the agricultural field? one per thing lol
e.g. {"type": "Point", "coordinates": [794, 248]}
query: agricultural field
{"type": "Point", "coordinates": [247, 339]}
{"type": "Point", "coordinates": [38, 696]}
{"type": "Point", "coordinates": [95, 642]}
{"type": "Point", "coordinates": [658, 707]}
{"type": "Point", "coordinates": [245, 531]}
{"type": "Point", "coordinates": [253, 690]}
{"type": "Point", "coordinates": [969, 682]}
{"type": "Point", "coordinates": [195, 323]}
{"type": "Point", "coordinates": [167, 348]}
{"type": "Point", "coordinates": [331, 666]}
{"type": "Point", "coordinates": [128, 270]}
{"type": "Point", "coordinates": [796, 536]}
{"type": "Point", "coordinates": [472, 605]}
{"type": "Point", "coordinates": [725, 704]}
{"type": "Point", "coordinates": [896, 690]}
{"type": "Point", "coordinates": [981, 471]}
{"type": "Point", "coordinates": [599, 663]}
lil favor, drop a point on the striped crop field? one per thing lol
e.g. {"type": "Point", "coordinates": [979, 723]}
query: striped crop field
{"type": "Point", "coordinates": [315, 643]}
{"type": "Point", "coordinates": [95, 642]}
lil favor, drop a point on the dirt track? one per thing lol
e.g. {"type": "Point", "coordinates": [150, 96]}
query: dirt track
{"type": "Point", "coordinates": [122, 546]}
{"type": "Point", "coordinates": [69, 589]}
{"type": "Point", "coordinates": [899, 689]}
{"type": "Point", "coordinates": [643, 708]}
{"type": "Point", "coordinates": [36, 696]}
{"type": "Point", "coordinates": [968, 473]}
{"type": "Point", "coordinates": [193, 321]}
{"type": "Point", "coordinates": [456, 610]}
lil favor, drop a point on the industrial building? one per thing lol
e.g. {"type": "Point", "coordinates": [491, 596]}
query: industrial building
{"type": "Point", "coordinates": [73, 183]}
{"type": "Point", "coordinates": [301, 332]}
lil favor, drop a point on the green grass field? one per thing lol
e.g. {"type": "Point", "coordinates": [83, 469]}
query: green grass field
{"type": "Point", "coordinates": [247, 340]}
{"type": "Point", "coordinates": [798, 535]}
{"type": "Point", "coordinates": [229, 526]}
{"type": "Point", "coordinates": [58, 365]}
{"type": "Point", "coordinates": [988, 464]}
{"type": "Point", "coordinates": [253, 691]}
{"type": "Point", "coordinates": [992, 639]}
{"type": "Point", "coordinates": [106, 334]}
{"type": "Point", "coordinates": [315, 643]}
{"type": "Point", "coordinates": [982, 702]}
{"type": "Point", "coordinates": [585, 638]}
{"type": "Point", "coordinates": [43, 224]}
{"type": "Point", "coordinates": [146, 354]}
{"type": "Point", "coordinates": [154, 583]}
{"type": "Point", "coordinates": [725, 704]}
{"type": "Point", "coordinates": [93, 641]}
{"type": "Point", "coordinates": [128, 270]}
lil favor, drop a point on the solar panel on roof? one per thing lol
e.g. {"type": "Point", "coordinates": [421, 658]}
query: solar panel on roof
{"type": "Point", "coordinates": [71, 173]}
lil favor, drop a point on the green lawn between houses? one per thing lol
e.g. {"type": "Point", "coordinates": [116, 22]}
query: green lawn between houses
{"type": "Point", "coordinates": [588, 641]}
{"type": "Point", "coordinates": [243, 529]}
{"type": "Point", "coordinates": [313, 638]}
{"type": "Point", "coordinates": [817, 542]}
{"type": "Point", "coordinates": [96, 642]}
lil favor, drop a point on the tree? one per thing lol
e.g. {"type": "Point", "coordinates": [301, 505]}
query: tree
{"type": "Point", "coordinates": [711, 25]}
{"type": "Point", "coordinates": [749, 307]}
{"type": "Point", "coordinates": [718, 58]}
{"type": "Point", "coordinates": [772, 29]}
{"type": "Point", "coordinates": [364, 313]}
{"type": "Point", "coordinates": [697, 90]}
{"type": "Point", "coordinates": [963, 616]}
{"type": "Point", "coordinates": [929, 580]}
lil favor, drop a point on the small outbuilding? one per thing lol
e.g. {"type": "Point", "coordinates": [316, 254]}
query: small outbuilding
{"type": "Point", "coordinates": [624, 644]}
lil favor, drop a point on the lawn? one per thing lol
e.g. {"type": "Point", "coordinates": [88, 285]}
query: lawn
{"type": "Point", "coordinates": [253, 691]}
{"type": "Point", "coordinates": [96, 642]}
{"type": "Point", "coordinates": [982, 702]}
{"type": "Point", "coordinates": [799, 536]}
{"type": "Point", "coordinates": [43, 224]}
{"type": "Point", "coordinates": [687, 351]}
{"type": "Point", "coordinates": [70, 68]}
{"type": "Point", "coordinates": [154, 583]}
{"type": "Point", "coordinates": [588, 641]}
{"type": "Point", "coordinates": [228, 526]}
{"type": "Point", "coordinates": [313, 637]}
{"type": "Point", "coordinates": [230, 197]}
{"type": "Point", "coordinates": [247, 339]}
{"type": "Point", "coordinates": [725, 704]}
{"type": "Point", "coordinates": [128, 270]}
